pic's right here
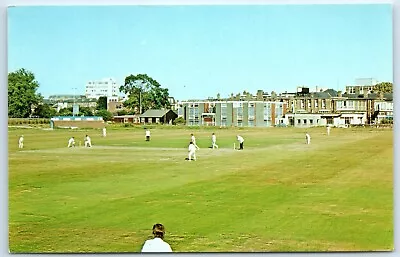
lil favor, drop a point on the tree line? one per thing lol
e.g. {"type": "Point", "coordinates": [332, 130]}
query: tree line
{"type": "Point", "coordinates": [24, 101]}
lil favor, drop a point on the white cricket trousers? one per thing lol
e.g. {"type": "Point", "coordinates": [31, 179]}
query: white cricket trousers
{"type": "Point", "coordinates": [192, 155]}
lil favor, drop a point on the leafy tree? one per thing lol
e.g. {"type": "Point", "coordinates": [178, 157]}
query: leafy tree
{"type": "Point", "coordinates": [144, 93]}
{"type": "Point", "coordinates": [44, 111]}
{"type": "Point", "coordinates": [384, 87]}
{"type": "Point", "coordinates": [22, 94]}
{"type": "Point", "coordinates": [65, 111]}
{"type": "Point", "coordinates": [179, 121]}
{"type": "Point", "coordinates": [102, 103]}
{"type": "Point", "coordinates": [122, 112]}
{"type": "Point", "coordinates": [85, 111]}
{"type": "Point", "coordinates": [105, 114]}
{"type": "Point", "coordinates": [218, 96]}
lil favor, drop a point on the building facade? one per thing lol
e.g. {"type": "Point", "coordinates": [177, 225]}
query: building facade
{"type": "Point", "coordinates": [301, 109]}
{"type": "Point", "coordinates": [233, 113]}
{"type": "Point", "coordinates": [105, 87]}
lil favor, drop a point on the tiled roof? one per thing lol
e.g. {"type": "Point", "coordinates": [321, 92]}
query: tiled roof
{"type": "Point", "coordinates": [154, 113]}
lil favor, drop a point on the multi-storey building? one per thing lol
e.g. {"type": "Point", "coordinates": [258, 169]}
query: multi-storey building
{"type": "Point", "coordinates": [312, 109]}
{"type": "Point", "coordinates": [383, 108]}
{"type": "Point", "coordinates": [105, 87]}
{"type": "Point", "coordinates": [361, 86]}
{"type": "Point", "coordinates": [233, 113]}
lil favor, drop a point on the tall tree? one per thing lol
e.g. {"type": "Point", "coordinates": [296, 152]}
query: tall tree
{"type": "Point", "coordinates": [105, 114]}
{"type": "Point", "coordinates": [44, 111]}
{"type": "Point", "coordinates": [384, 87]}
{"type": "Point", "coordinates": [102, 103]}
{"type": "Point", "coordinates": [22, 94]}
{"type": "Point", "coordinates": [144, 93]}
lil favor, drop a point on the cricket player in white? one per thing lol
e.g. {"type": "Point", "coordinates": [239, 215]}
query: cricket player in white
{"type": "Point", "coordinates": [147, 135]}
{"type": "Point", "coordinates": [241, 140]}
{"type": "Point", "coordinates": [214, 141]}
{"type": "Point", "coordinates": [193, 139]}
{"type": "Point", "coordinates": [88, 142]}
{"type": "Point", "coordinates": [157, 244]}
{"type": "Point", "coordinates": [308, 139]}
{"type": "Point", "coordinates": [104, 132]}
{"type": "Point", "coordinates": [192, 151]}
{"type": "Point", "coordinates": [328, 130]}
{"type": "Point", "coordinates": [21, 142]}
{"type": "Point", "coordinates": [71, 142]}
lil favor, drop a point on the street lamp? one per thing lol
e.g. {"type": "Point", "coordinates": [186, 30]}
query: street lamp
{"type": "Point", "coordinates": [73, 106]}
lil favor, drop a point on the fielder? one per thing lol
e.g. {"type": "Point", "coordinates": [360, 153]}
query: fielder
{"type": "Point", "coordinates": [21, 142]}
{"type": "Point", "coordinates": [214, 141]}
{"type": "Point", "coordinates": [147, 135]}
{"type": "Point", "coordinates": [193, 140]}
{"type": "Point", "coordinates": [104, 132]}
{"type": "Point", "coordinates": [328, 130]}
{"type": "Point", "coordinates": [71, 142]}
{"type": "Point", "coordinates": [308, 139]}
{"type": "Point", "coordinates": [241, 141]}
{"type": "Point", "coordinates": [88, 142]}
{"type": "Point", "coordinates": [192, 151]}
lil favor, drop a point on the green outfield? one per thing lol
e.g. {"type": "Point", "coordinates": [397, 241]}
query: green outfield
{"type": "Point", "coordinates": [279, 194]}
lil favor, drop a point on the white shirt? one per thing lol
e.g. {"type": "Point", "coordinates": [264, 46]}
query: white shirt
{"type": "Point", "coordinates": [214, 138]}
{"type": "Point", "coordinates": [71, 140]}
{"type": "Point", "coordinates": [308, 136]}
{"type": "Point", "coordinates": [21, 139]}
{"type": "Point", "coordinates": [192, 148]}
{"type": "Point", "coordinates": [147, 133]}
{"type": "Point", "coordinates": [240, 139]}
{"type": "Point", "coordinates": [156, 245]}
{"type": "Point", "coordinates": [88, 139]}
{"type": "Point", "coordinates": [193, 139]}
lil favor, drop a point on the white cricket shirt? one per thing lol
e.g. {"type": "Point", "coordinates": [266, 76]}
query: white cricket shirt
{"type": "Point", "coordinates": [192, 148]}
{"type": "Point", "coordinates": [156, 245]}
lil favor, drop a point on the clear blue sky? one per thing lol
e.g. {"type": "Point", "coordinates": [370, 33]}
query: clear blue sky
{"type": "Point", "coordinates": [199, 51]}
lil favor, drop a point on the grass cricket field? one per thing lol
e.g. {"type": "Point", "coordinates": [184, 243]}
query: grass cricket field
{"type": "Point", "coordinates": [278, 194]}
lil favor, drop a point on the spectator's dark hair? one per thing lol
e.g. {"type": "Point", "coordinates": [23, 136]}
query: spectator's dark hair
{"type": "Point", "coordinates": [158, 230]}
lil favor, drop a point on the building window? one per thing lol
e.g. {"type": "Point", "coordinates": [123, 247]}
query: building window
{"type": "Point", "coordinates": [298, 121]}
{"type": "Point", "coordinates": [323, 104]}
{"type": "Point", "coordinates": [347, 120]}
{"type": "Point", "coordinates": [311, 121]}
{"type": "Point", "coordinates": [316, 103]}
{"type": "Point", "coordinates": [302, 104]}
{"type": "Point", "coordinates": [309, 103]}
{"type": "Point", "coordinates": [305, 121]}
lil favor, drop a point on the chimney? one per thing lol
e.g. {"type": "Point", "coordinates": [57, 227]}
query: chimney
{"type": "Point", "coordinates": [357, 90]}
{"type": "Point", "coordinates": [260, 95]}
